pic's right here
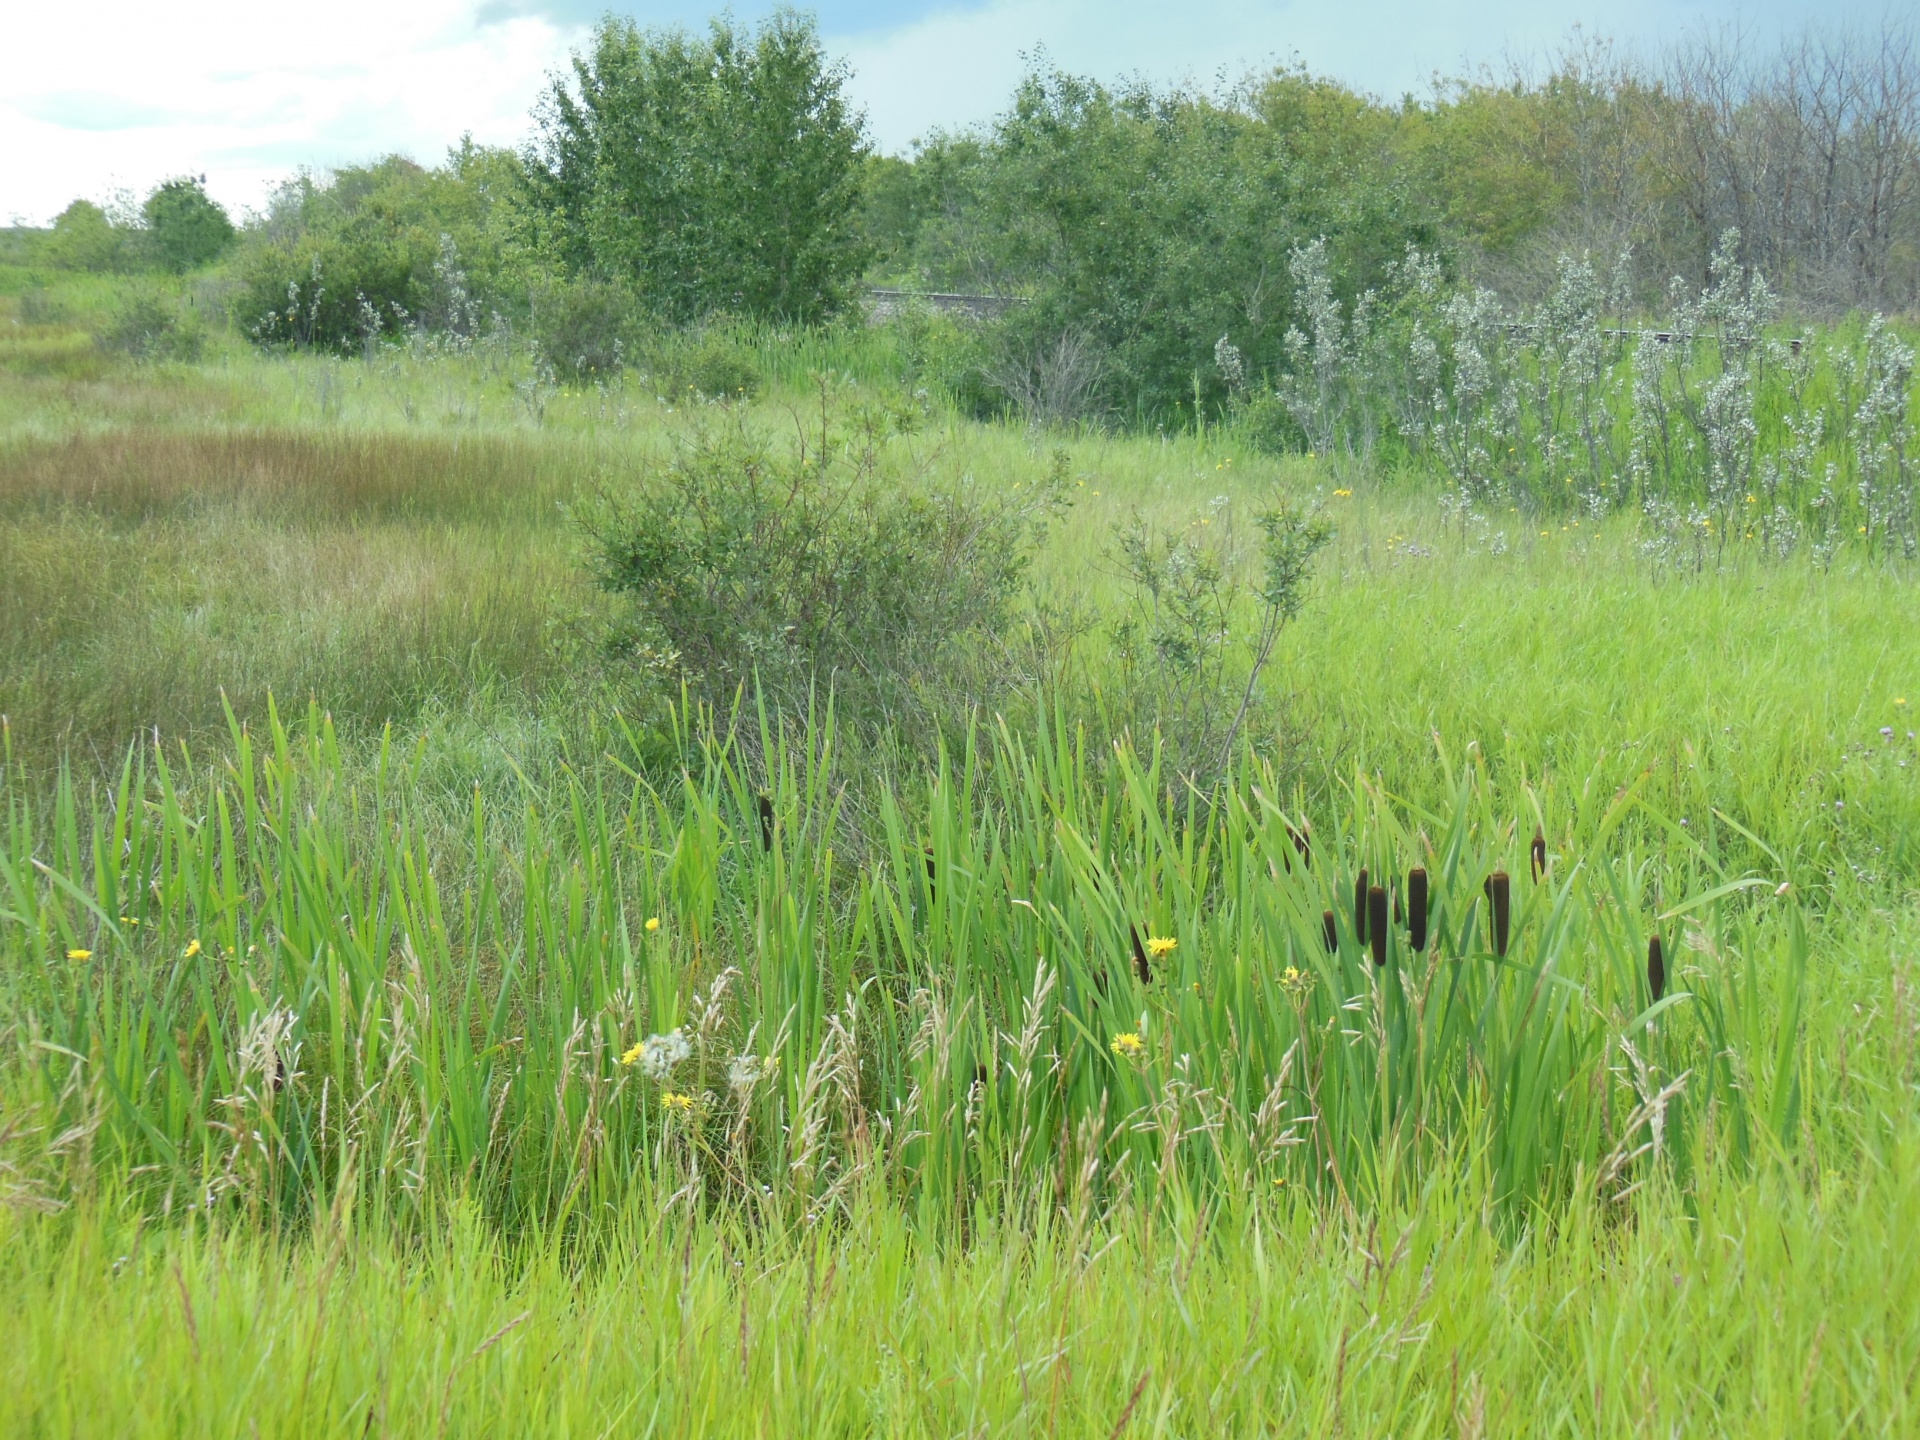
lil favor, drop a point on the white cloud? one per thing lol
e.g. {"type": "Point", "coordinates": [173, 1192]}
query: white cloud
{"type": "Point", "coordinates": [100, 96]}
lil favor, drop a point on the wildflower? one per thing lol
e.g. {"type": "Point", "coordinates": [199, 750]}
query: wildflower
{"type": "Point", "coordinates": [1901, 701]}
{"type": "Point", "coordinates": [633, 1053]}
{"type": "Point", "coordinates": [746, 1071]}
{"type": "Point", "coordinates": [78, 955]}
{"type": "Point", "coordinates": [670, 1101]}
{"type": "Point", "coordinates": [193, 949]}
{"type": "Point", "coordinates": [1342, 494]}
{"type": "Point", "coordinates": [1128, 1045]}
{"type": "Point", "coordinates": [128, 920]}
{"type": "Point", "coordinates": [653, 923]}
{"type": "Point", "coordinates": [658, 1054]}
{"type": "Point", "coordinates": [1159, 946]}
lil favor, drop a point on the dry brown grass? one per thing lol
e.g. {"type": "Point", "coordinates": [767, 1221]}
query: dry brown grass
{"type": "Point", "coordinates": [288, 475]}
{"type": "Point", "coordinates": [151, 573]}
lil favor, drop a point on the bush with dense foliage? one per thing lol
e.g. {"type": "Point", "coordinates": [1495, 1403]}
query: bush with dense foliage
{"type": "Point", "coordinates": [831, 565]}
{"type": "Point", "coordinates": [715, 174]}
{"type": "Point", "coordinates": [370, 251]}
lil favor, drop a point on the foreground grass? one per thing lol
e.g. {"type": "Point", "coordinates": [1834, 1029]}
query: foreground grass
{"type": "Point", "coordinates": [1769, 1307]}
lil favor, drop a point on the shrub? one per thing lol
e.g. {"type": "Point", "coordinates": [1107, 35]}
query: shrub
{"type": "Point", "coordinates": [1189, 663]}
{"type": "Point", "coordinates": [713, 360]}
{"type": "Point", "coordinates": [149, 326]}
{"type": "Point", "coordinates": [832, 564]}
{"type": "Point", "coordinates": [584, 329]}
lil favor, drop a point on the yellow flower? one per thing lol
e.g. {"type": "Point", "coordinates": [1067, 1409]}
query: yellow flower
{"type": "Point", "coordinates": [1343, 492]}
{"type": "Point", "coordinates": [653, 923]}
{"type": "Point", "coordinates": [1159, 946]}
{"type": "Point", "coordinates": [193, 948]}
{"type": "Point", "coordinates": [632, 1055]}
{"type": "Point", "coordinates": [1901, 701]}
{"type": "Point", "coordinates": [671, 1101]}
{"type": "Point", "coordinates": [79, 954]}
{"type": "Point", "coordinates": [1128, 1044]}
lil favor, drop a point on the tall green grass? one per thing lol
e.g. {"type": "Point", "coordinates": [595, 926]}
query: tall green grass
{"type": "Point", "coordinates": [1041, 981]}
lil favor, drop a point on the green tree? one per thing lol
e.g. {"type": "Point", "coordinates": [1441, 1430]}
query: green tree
{"type": "Point", "coordinates": [1145, 224]}
{"type": "Point", "coordinates": [185, 227]}
{"type": "Point", "coordinates": [712, 174]}
{"type": "Point", "coordinates": [85, 239]}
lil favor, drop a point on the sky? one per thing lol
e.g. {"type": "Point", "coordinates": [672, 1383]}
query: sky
{"type": "Point", "coordinates": [108, 97]}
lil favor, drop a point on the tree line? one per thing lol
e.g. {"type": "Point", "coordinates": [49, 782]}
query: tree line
{"type": "Point", "coordinates": [674, 177]}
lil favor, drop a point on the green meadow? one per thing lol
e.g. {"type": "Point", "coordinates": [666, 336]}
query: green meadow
{"type": "Point", "coordinates": [419, 1017]}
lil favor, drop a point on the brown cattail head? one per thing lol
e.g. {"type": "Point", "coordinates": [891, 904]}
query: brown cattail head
{"type": "Point", "coordinates": [1360, 907]}
{"type": "Point", "coordinates": [1500, 896]}
{"type": "Point", "coordinates": [1378, 928]}
{"type": "Point", "coordinates": [1656, 968]}
{"type": "Point", "coordinates": [1330, 926]}
{"type": "Point", "coordinates": [766, 824]}
{"type": "Point", "coordinates": [1144, 970]}
{"type": "Point", "coordinates": [1302, 841]}
{"type": "Point", "coordinates": [1417, 908]}
{"type": "Point", "coordinates": [933, 868]}
{"type": "Point", "coordinates": [1539, 856]}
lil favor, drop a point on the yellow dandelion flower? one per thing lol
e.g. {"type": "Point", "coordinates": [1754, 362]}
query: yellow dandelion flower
{"type": "Point", "coordinates": [1160, 945]}
{"type": "Point", "coordinates": [1128, 1044]}
{"type": "Point", "coordinates": [631, 1056]}
{"type": "Point", "coordinates": [653, 923]}
{"type": "Point", "coordinates": [1901, 701]}
{"type": "Point", "coordinates": [193, 949]}
{"type": "Point", "coordinates": [79, 955]}
{"type": "Point", "coordinates": [672, 1101]}
{"type": "Point", "coordinates": [1342, 493]}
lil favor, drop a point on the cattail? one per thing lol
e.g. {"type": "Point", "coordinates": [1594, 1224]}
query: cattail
{"type": "Point", "coordinates": [1500, 897]}
{"type": "Point", "coordinates": [1377, 927]}
{"type": "Point", "coordinates": [1417, 907]}
{"type": "Point", "coordinates": [1539, 856]}
{"type": "Point", "coordinates": [1399, 915]}
{"type": "Point", "coordinates": [1360, 907]}
{"type": "Point", "coordinates": [1656, 968]}
{"type": "Point", "coordinates": [1328, 925]}
{"type": "Point", "coordinates": [1302, 841]}
{"type": "Point", "coordinates": [766, 824]}
{"type": "Point", "coordinates": [1140, 957]}
{"type": "Point", "coordinates": [933, 870]}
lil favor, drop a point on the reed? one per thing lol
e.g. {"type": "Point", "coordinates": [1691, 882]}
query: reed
{"type": "Point", "coordinates": [286, 983]}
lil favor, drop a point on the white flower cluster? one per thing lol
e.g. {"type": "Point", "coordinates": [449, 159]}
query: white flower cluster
{"type": "Point", "coordinates": [746, 1071]}
{"type": "Point", "coordinates": [661, 1053]}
